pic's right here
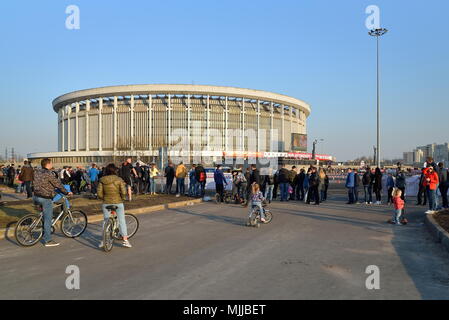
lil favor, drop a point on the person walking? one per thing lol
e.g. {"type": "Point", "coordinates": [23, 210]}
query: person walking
{"type": "Point", "coordinates": [350, 182]}
{"type": "Point", "coordinates": [93, 175]}
{"type": "Point", "coordinates": [181, 173]}
{"type": "Point", "coordinates": [112, 190]}
{"type": "Point", "coordinates": [377, 186]}
{"type": "Point", "coordinates": [444, 183]}
{"type": "Point", "coordinates": [126, 172]}
{"type": "Point", "coordinates": [367, 186]}
{"type": "Point", "coordinates": [431, 182]}
{"type": "Point", "coordinates": [27, 176]}
{"type": "Point", "coordinates": [45, 183]}
{"type": "Point", "coordinates": [220, 182]}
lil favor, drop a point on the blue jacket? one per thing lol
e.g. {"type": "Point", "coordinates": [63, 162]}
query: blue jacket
{"type": "Point", "coordinates": [219, 177]}
{"type": "Point", "coordinates": [390, 182]}
{"type": "Point", "coordinates": [350, 180]}
{"type": "Point", "coordinates": [306, 181]}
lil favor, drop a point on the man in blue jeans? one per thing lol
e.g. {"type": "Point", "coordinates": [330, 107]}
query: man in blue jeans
{"type": "Point", "coordinates": [284, 182]}
{"type": "Point", "coordinates": [350, 184]}
{"type": "Point", "coordinates": [45, 183]}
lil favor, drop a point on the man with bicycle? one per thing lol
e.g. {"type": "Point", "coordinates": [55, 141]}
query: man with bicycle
{"type": "Point", "coordinates": [45, 183]}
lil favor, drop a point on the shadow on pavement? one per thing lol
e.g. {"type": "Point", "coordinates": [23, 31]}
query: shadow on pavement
{"type": "Point", "coordinates": [212, 217]}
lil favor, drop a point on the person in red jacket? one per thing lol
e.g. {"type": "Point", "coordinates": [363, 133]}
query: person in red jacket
{"type": "Point", "coordinates": [398, 206]}
{"type": "Point", "coordinates": [431, 182]}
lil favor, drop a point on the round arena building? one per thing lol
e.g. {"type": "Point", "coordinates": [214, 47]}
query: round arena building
{"type": "Point", "coordinates": [106, 124]}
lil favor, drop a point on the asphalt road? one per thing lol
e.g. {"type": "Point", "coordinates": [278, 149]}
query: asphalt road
{"type": "Point", "coordinates": [205, 252]}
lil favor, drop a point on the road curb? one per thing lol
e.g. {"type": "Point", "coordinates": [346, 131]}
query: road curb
{"type": "Point", "coordinates": [9, 232]}
{"type": "Point", "coordinates": [438, 233]}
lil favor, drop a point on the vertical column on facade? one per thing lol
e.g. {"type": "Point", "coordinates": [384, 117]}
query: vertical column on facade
{"type": "Point", "coordinates": [62, 115]}
{"type": "Point", "coordinates": [242, 134]}
{"type": "Point", "coordinates": [207, 122]}
{"type": "Point", "coordinates": [258, 126]}
{"type": "Point", "coordinates": [271, 125]}
{"type": "Point", "coordinates": [77, 133]}
{"type": "Point", "coordinates": [282, 127]}
{"type": "Point", "coordinates": [150, 121]}
{"type": "Point", "coordinates": [189, 124]}
{"type": "Point", "coordinates": [115, 122]}
{"type": "Point", "coordinates": [226, 124]}
{"type": "Point", "coordinates": [100, 124]}
{"type": "Point", "coordinates": [87, 124]}
{"type": "Point", "coordinates": [132, 122]}
{"type": "Point", "coordinates": [169, 122]}
{"type": "Point", "coordinates": [291, 122]}
{"type": "Point", "coordinates": [69, 112]}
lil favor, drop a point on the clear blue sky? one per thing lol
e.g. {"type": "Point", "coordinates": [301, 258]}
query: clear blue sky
{"type": "Point", "coordinates": [314, 50]}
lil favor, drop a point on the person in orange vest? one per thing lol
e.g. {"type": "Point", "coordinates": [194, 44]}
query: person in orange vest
{"type": "Point", "coordinates": [431, 184]}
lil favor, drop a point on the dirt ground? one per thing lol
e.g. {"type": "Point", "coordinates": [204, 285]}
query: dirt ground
{"type": "Point", "coordinates": [442, 218]}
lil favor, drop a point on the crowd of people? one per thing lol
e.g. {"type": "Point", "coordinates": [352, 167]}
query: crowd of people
{"type": "Point", "coordinates": [433, 178]}
{"type": "Point", "coordinates": [249, 186]}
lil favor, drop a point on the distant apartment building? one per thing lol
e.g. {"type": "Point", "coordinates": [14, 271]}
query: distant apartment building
{"type": "Point", "coordinates": [439, 152]}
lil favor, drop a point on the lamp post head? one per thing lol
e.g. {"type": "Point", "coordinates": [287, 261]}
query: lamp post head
{"type": "Point", "coordinates": [378, 32]}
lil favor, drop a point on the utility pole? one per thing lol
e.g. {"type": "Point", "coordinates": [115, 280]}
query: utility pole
{"type": "Point", "coordinates": [378, 33]}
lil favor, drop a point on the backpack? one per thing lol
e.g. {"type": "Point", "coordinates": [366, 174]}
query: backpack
{"type": "Point", "coordinates": [202, 176]}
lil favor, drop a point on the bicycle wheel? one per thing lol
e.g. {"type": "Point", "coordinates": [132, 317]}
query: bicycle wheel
{"type": "Point", "coordinates": [108, 239]}
{"type": "Point", "coordinates": [268, 216]}
{"type": "Point", "coordinates": [29, 230]}
{"type": "Point", "coordinates": [74, 223]}
{"type": "Point", "coordinates": [132, 224]}
{"type": "Point", "coordinates": [228, 199]}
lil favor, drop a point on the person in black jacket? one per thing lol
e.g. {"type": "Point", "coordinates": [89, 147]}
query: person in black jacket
{"type": "Point", "coordinates": [283, 180]}
{"type": "Point", "coordinates": [200, 177]}
{"type": "Point", "coordinates": [367, 186]}
{"type": "Point", "coordinates": [314, 183]}
{"type": "Point", "coordinates": [357, 183]}
{"type": "Point", "coordinates": [444, 183]}
{"type": "Point", "coordinates": [422, 194]}
{"type": "Point", "coordinates": [169, 174]}
{"type": "Point", "coordinates": [377, 185]}
{"type": "Point", "coordinates": [300, 185]}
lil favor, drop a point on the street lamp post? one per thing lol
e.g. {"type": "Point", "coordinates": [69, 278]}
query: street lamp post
{"type": "Point", "coordinates": [378, 33]}
{"type": "Point", "coordinates": [314, 147]}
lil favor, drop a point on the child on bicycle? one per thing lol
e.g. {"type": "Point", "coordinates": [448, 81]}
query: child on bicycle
{"type": "Point", "coordinates": [256, 199]}
{"type": "Point", "coordinates": [398, 206]}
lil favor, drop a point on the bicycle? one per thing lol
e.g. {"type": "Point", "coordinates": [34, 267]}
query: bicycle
{"type": "Point", "coordinates": [111, 229]}
{"type": "Point", "coordinates": [227, 197]}
{"type": "Point", "coordinates": [254, 220]}
{"type": "Point", "coordinates": [30, 228]}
